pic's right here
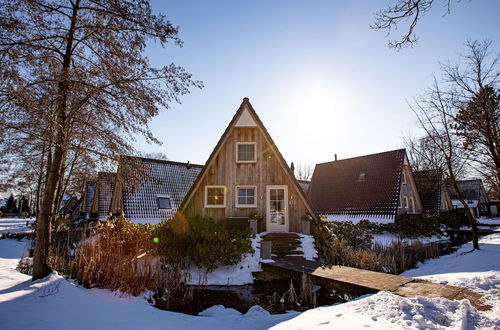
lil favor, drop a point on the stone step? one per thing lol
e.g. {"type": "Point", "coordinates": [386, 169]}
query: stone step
{"type": "Point", "coordinates": [292, 252]}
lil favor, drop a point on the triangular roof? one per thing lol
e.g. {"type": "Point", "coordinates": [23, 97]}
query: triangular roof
{"type": "Point", "coordinates": [429, 184]}
{"type": "Point", "coordinates": [360, 185]}
{"type": "Point", "coordinates": [472, 190]}
{"type": "Point", "coordinates": [246, 116]}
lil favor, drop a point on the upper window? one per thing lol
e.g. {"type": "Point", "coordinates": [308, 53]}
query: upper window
{"type": "Point", "coordinates": [245, 152]}
{"type": "Point", "coordinates": [215, 196]}
{"type": "Point", "coordinates": [246, 196]}
{"type": "Point", "coordinates": [404, 177]}
{"type": "Point", "coordinates": [163, 202]}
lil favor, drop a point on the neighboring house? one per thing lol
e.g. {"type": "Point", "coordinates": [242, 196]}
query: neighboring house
{"type": "Point", "coordinates": [88, 199]}
{"type": "Point", "coordinates": [474, 195]}
{"type": "Point", "coordinates": [493, 204]}
{"type": "Point", "coordinates": [378, 187]}
{"type": "Point", "coordinates": [104, 192]}
{"type": "Point", "coordinates": [151, 190]}
{"type": "Point", "coordinates": [246, 176]}
{"type": "Point", "coordinates": [433, 192]}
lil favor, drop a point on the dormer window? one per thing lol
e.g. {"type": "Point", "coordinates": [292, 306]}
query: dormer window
{"type": "Point", "coordinates": [163, 202]}
{"type": "Point", "coordinates": [245, 152]}
{"type": "Point", "coordinates": [362, 176]}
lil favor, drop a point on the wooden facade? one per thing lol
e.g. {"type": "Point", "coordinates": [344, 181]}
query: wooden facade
{"type": "Point", "coordinates": [267, 171]}
{"type": "Point", "coordinates": [409, 198]}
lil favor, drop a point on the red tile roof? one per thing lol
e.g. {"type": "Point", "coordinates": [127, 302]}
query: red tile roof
{"type": "Point", "coordinates": [361, 185]}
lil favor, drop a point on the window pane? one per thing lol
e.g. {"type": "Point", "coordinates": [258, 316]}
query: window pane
{"type": "Point", "coordinates": [246, 152]}
{"type": "Point", "coordinates": [164, 203]}
{"type": "Point", "coordinates": [246, 196]}
{"type": "Point", "coordinates": [215, 196]}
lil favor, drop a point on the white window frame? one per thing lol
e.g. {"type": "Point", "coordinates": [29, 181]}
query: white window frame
{"type": "Point", "coordinates": [405, 202]}
{"type": "Point", "coordinates": [236, 201]}
{"type": "Point", "coordinates": [254, 152]}
{"type": "Point", "coordinates": [208, 206]}
{"type": "Point", "coordinates": [412, 204]}
{"type": "Point", "coordinates": [403, 180]}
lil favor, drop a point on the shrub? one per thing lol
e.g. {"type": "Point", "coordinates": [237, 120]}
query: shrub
{"type": "Point", "coordinates": [356, 236]}
{"type": "Point", "coordinates": [413, 226]}
{"type": "Point", "coordinates": [454, 219]}
{"type": "Point", "coordinates": [202, 241]}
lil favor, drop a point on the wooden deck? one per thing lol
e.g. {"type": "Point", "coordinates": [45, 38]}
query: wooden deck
{"type": "Point", "coordinates": [335, 275]}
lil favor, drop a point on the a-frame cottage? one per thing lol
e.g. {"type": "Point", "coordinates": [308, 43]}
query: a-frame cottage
{"type": "Point", "coordinates": [246, 175]}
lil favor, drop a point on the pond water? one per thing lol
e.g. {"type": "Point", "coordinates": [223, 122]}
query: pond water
{"type": "Point", "coordinates": [274, 296]}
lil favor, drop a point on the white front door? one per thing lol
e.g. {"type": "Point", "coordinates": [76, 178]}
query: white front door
{"type": "Point", "coordinates": [277, 208]}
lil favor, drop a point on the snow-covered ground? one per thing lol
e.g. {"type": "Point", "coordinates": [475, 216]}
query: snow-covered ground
{"type": "Point", "coordinates": [387, 239]}
{"type": "Point", "coordinates": [489, 221]}
{"type": "Point", "coordinates": [15, 225]}
{"type": "Point", "coordinates": [238, 274]}
{"type": "Point", "coordinates": [55, 303]}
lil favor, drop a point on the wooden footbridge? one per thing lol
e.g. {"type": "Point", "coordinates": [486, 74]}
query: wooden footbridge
{"type": "Point", "coordinates": [335, 276]}
{"type": "Point", "coordinates": [359, 281]}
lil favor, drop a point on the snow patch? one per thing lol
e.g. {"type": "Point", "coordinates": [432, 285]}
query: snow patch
{"type": "Point", "coordinates": [239, 274]}
{"type": "Point", "coordinates": [308, 247]}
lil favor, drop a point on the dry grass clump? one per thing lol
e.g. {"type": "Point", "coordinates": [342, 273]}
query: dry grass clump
{"type": "Point", "coordinates": [120, 256]}
{"type": "Point", "coordinates": [393, 259]}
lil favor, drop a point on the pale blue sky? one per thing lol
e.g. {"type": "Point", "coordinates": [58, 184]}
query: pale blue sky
{"type": "Point", "coordinates": [320, 79]}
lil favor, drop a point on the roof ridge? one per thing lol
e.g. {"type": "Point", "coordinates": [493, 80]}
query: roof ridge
{"type": "Point", "coordinates": [356, 157]}
{"type": "Point", "coordinates": [164, 161]}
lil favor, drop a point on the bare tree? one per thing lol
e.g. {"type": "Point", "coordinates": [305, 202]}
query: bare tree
{"type": "Point", "coordinates": [304, 171]}
{"type": "Point", "coordinates": [405, 11]}
{"type": "Point", "coordinates": [74, 78]}
{"type": "Point", "coordinates": [435, 112]}
{"type": "Point", "coordinates": [475, 80]}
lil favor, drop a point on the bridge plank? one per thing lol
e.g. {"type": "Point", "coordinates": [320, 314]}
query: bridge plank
{"type": "Point", "coordinates": [348, 275]}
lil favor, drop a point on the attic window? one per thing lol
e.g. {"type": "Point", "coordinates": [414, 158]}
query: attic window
{"type": "Point", "coordinates": [403, 181]}
{"type": "Point", "coordinates": [245, 152]}
{"type": "Point", "coordinates": [362, 176]}
{"type": "Point", "coordinates": [215, 196]}
{"type": "Point", "coordinates": [163, 202]}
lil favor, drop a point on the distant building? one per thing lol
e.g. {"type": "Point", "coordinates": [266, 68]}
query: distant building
{"type": "Point", "coordinates": [474, 194]}
{"type": "Point", "coordinates": [433, 192]}
{"type": "Point", "coordinates": [378, 187]}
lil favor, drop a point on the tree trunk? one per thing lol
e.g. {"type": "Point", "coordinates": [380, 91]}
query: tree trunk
{"type": "Point", "coordinates": [41, 266]}
{"type": "Point", "coordinates": [472, 220]}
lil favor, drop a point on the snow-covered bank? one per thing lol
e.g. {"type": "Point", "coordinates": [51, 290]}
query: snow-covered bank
{"type": "Point", "coordinates": [15, 225]}
{"type": "Point", "coordinates": [54, 303]}
{"type": "Point", "coordinates": [387, 239]}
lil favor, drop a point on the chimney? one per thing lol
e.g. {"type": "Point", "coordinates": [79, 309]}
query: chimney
{"type": "Point", "coordinates": [292, 167]}
{"type": "Point", "coordinates": [188, 165]}
{"type": "Point", "coordinates": [335, 157]}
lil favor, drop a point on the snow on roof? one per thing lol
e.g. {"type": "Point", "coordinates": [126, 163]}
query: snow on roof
{"type": "Point", "coordinates": [356, 218]}
{"type": "Point", "coordinates": [160, 178]}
